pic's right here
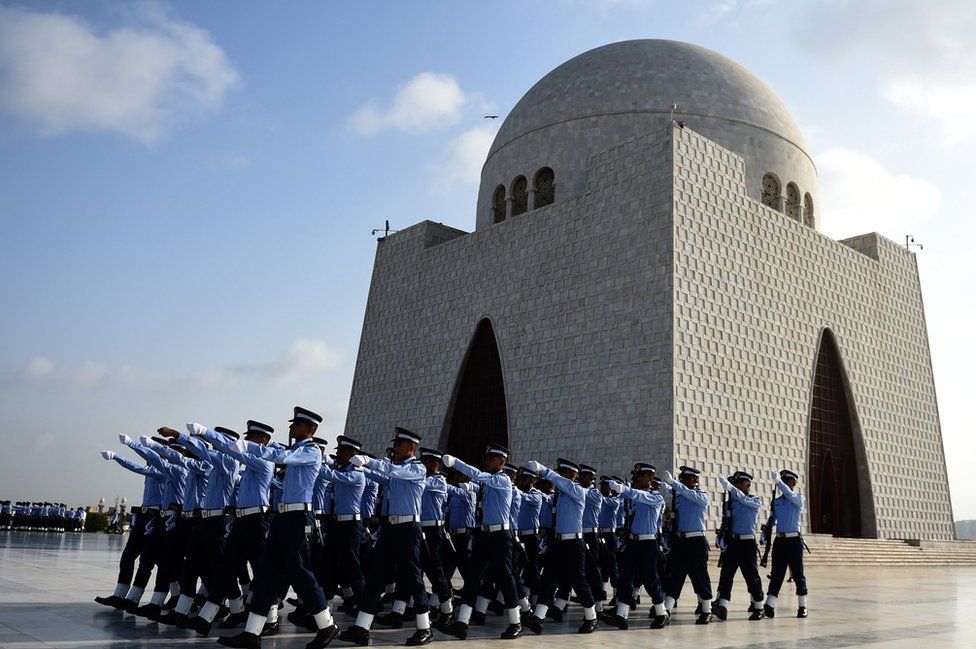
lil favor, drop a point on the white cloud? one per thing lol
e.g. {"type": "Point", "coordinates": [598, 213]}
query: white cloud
{"type": "Point", "coordinates": [463, 157]}
{"type": "Point", "coordinates": [424, 102]}
{"type": "Point", "coordinates": [858, 195]}
{"type": "Point", "coordinates": [304, 359]}
{"type": "Point", "coordinates": [61, 74]}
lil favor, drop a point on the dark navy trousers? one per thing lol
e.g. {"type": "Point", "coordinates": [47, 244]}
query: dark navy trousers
{"type": "Point", "coordinates": [286, 561]}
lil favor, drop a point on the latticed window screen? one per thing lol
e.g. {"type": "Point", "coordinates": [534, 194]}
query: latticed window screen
{"type": "Point", "coordinates": [770, 191]}
{"type": "Point", "coordinates": [520, 196]}
{"type": "Point", "coordinates": [545, 189]}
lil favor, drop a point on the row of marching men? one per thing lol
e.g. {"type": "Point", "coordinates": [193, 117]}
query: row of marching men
{"type": "Point", "coordinates": [370, 529]}
{"type": "Point", "coordinates": [41, 517]}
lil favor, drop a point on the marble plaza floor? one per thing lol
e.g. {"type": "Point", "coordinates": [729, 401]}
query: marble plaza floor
{"type": "Point", "coordinates": [47, 583]}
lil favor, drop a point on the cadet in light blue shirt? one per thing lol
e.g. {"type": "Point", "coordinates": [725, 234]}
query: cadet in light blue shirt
{"type": "Point", "coordinates": [462, 504]}
{"type": "Point", "coordinates": [607, 524]}
{"type": "Point", "coordinates": [788, 546]}
{"type": "Point", "coordinates": [640, 556]}
{"type": "Point", "coordinates": [741, 549]}
{"type": "Point", "coordinates": [591, 533]}
{"type": "Point", "coordinates": [689, 547]}
{"type": "Point", "coordinates": [435, 537]}
{"type": "Point", "coordinates": [533, 500]}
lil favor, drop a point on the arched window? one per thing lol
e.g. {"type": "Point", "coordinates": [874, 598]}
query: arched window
{"type": "Point", "coordinates": [770, 191]}
{"type": "Point", "coordinates": [808, 210]}
{"type": "Point", "coordinates": [520, 196]}
{"type": "Point", "coordinates": [498, 204]}
{"type": "Point", "coordinates": [793, 201]}
{"type": "Point", "coordinates": [545, 189]}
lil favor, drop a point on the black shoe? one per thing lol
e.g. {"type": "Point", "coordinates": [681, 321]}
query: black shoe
{"type": "Point", "coordinates": [349, 607]}
{"type": "Point", "coordinates": [200, 625]}
{"type": "Point", "coordinates": [198, 602]}
{"type": "Point", "coordinates": [661, 621]}
{"type": "Point", "coordinates": [271, 628]}
{"type": "Point", "coordinates": [171, 602]}
{"type": "Point", "coordinates": [168, 618]}
{"type": "Point", "coordinates": [720, 612]}
{"type": "Point", "coordinates": [420, 636]}
{"type": "Point", "coordinates": [149, 611]}
{"type": "Point", "coordinates": [356, 635]}
{"type": "Point", "coordinates": [442, 621]}
{"type": "Point", "coordinates": [769, 611]}
{"type": "Point", "coordinates": [233, 621]}
{"type": "Point", "coordinates": [112, 600]}
{"type": "Point", "coordinates": [511, 632]}
{"type": "Point", "coordinates": [704, 618]}
{"type": "Point", "coordinates": [387, 598]}
{"type": "Point", "coordinates": [756, 614]}
{"type": "Point", "coordinates": [409, 614]}
{"type": "Point", "coordinates": [614, 620]}
{"type": "Point", "coordinates": [457, 629]}
{"type": "Point", "coordinates": [222, 612]}
{"type": "Point", "coordinates": [302, 621]}
{"type": "Point", "coordinates": [181, 620]}
{"type": "Point", "coordinates": [588, 626]}
{"type": "Point", "coordinates": [801, 612]}
{"type": "Point", "coordinates": [555, 614]}
{"type": "Point", "coordinates": [390, 620]}
{"type": "Point", "coordinates": [496, 608]}
{"type": "Point", "coordinates": [323, 637]}
{"type": "Point", "coordinates": [477, 619]}
{"type": "Point", "coordinates": [244, 640]}
{"type": "Point", "coordinates": [534, 623]}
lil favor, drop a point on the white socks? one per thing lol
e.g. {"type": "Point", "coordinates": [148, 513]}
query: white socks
{"type": "Point", "coordinates": [481, 605]}
{"type": "Point", "coordinates": [323, 619]}
{"type": "Point", "coordinates": [706, 605]}
{"type": "Point", "coordinates": [513, 615]}
{"type": "Point", "coordinates": [158, 598]}
{"type": "Point", "coordinates": [669, 603]}
{"type": "Point", "coordinates": [255, 624]}
{"type": "Point", "coordinates": [236, 605]}
{"type": "Point", "coordinates": [364, 620]}
{"type": "Point", "coordinates": [757, 604]}
{"type": "Point", "coordinates": [273, 614]}
{"type": "Point", "coordinates": [135, 594]}
{"type": "Point", "coordinates": [623, 610]}
{"type": "Point", "coordinates": [801, 600]}
{"type": "Point", "coordinates": [174, 588]}
{"type": "Point", "coordinates": [209, 611]}
{"type": "Point", "coordinates": [589, 613]}
{"type": "Point", "coordinates": [390, 588]}
{"type": "Point", "coordinates": [447, 607]}
{"type": "Point", "coordinates": [121, 589]}
{"type": "Point", "coordinates": [540, 611]}
{"type": "Point", "coordinates": [183, 606]}
{"type": "Point", "coordinates": [464, 613]}
{"type": "Point", "coordinates": [524, 605]}
{"type": "Point", "coordinates": [559, 603]}
{"type": "Point", "coordinates": [599, 606]}
{"type": "Point", "coordinates": [202, 590]}
{"type": "Point", "coordinates": [771, 601]}
{"type": "Point", "coordinates": [723, 602]}
{"type": "Point", "coordinates": [399, 606]}
{"type": "Point", "coordinates": [658, 609]}
{"type": "Point", "coordinates": [423, 621]}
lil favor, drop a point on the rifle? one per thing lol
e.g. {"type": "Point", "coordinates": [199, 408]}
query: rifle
{"type": "Point", "coordinates": [767, 529]}
{"type": "Point", "coordinates": [722, 533]}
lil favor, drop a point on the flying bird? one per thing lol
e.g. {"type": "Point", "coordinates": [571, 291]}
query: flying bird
{"type": "Point", "coordinates": [491, 116]}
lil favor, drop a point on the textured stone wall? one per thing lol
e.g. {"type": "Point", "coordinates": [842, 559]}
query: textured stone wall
{"type": "Point", "coordinates": [753, 290]}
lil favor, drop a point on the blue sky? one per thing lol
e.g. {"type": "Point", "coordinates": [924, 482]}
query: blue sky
{"type": "Point", "coordinates": [189, 188]}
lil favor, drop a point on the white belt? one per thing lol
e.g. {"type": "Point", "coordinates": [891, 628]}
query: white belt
{"type": "Point", "coordinates": [744, 537]}
{"type": "Point", "coordinates": [528, 532]}
{"type": "Point", "coordinates": [690, 535]}
{"type": "Point", "coordinates": [247, 511]}
{"type": "Point", "coordinates": [190, 514]}
{"type": "Point", "coordinates": [590, 530]}
{"type": "Point", "coordinates": [570, 536]}
{"type": "Point", "coordinates": [607, 530]}
{"type": "Point", "coordinates": [431, 523]}
{"type": "Point", "coordinates": [294, 507]}
{"type": "Point", "coordinates": [152, 508]}
{"type": "Point", "coordinates": [643, 537]}
{"type": "Point", "coordinates": [787, 535]}
{"type": "Point", "coordinates": [340, 518]}
{"type": "Point", "coordinates": [460, 530]}
{"type": "Point", "coordinates": [397, 520]}
{"type": "Point", "coordinates": [207, 513]}
{"type": "Point", "coordinates": [165, 513]}
{"type": "Point", "coordinates": [495, 528]}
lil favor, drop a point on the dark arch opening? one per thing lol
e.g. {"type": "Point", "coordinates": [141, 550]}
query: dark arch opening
{"type": "Point", "coordinates": [520, 196]}
{"type": "Point", "coordinates": [839, 483]}
{"type": "Point", "coordinates": [498, 204]}
{"type": "Point", "coordinates": [545, 187]}
{"type": "Point", "coordinates": [478, 414]}
{"type": "Point", "coordinates": [771, 191]}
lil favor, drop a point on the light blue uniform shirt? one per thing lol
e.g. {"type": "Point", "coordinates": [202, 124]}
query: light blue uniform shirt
{"type": "Point", "coordinates": [174, 475]}
{"type": "Point", "coordinates": [347, 487]}
{"type": "Point", "coordinates": [219, 492]}
{"type": "Point", "coordinates": [155, 482]}
{"type": "Point", "coordinates": [255, 480]}
{"type": "Point", "coordinates": [371, 490]}
{"type": "Point", "coordinates": [528, 519]}
{"type": "Point", "coordinates": [691, 505]}
{"type": "Point", "coordinates": [196, 477]}
{"type": "Point", "coordinates": [406, 484]}
{"type": "Point", "coordinates": [496, 494]}
{"type": "Point", "coordinates": [322, 493]}
{"type": "Point", "coordinates": [515, 508]}
{"type": "Point", "coordinates": [648, 508]}
{"type": "Point", "coordinates": [609, 512]}
{"type": "Point", "coordinates": [545, 512]}
{"type": "Point", "coordinates": [383, 491]}
{"type": "Point", "coordinates": [591, 508]}
{"type": "Point", "coordinates": [434, 498]}
{"type": "Point", "coordinates": [461, 507]}
{"type": "Point", "coordinates": [744, 510]}
{"type": "Point", "coordinates": [302, 463]}
{"type": "Point", "coordinates": [569, 503]}
{"type": "Point", "coordinates": [787, 509]}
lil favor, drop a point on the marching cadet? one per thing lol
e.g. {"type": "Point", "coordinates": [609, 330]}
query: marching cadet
{"type": "Point", "coordinates": [788, 547]}
{"type": "Point", "coordinates": [689, 547]}
{"type": "Point", "coordinates": [203, 553]}
{"type": "Point", "coordinates": [492, 549]}
{"type": "Point", "coordinates": [565, 562]}
{"type": "Point", "coordinates": [436, 541]}
{"type": "Point", "coordinates": [462, 505]}
{"type": "Point", "coordinates": [591, 533]}
{"type": "Point", "coordinates": [528, 534]}
{"type": "Point", "coordinates": [607, 529]}
{"type": "Point", "coordinates": [741, 548]}
{"type": "Point", "coordinates": [369, 510]}
{"type": "Point", "coordinates": [397, 550]}
{"type": "Point", "coordinates": [152, 495]}
{"type": "Point", "coordinates": [245, 540]}
{"type": "Point", "coordinates": [640, 557]}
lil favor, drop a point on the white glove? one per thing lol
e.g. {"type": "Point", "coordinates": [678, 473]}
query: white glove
{"type": "Point", "coordinates": [774, 475]}
{"type": "Point", "coordinates": [467, 486]}
{"type": "Point", "coordinates": [617, 486]}
{"type": "Point", "coordinates": [668, 478]}
{"type": "Point", "coordinates": [240, 445]}
{"type": "Point", "coordinates": [145, 441]}
{"type": "Point", "coordinates": [108, 455]}
{"type": "Point", "coordinates": [448, 460]}
{"type": "Point", "coordinates": [358, 460]}
{"type": "Point", "coordinates": [327, 461]}
{"type": "Point", "coordinates": [196, 429]}
{"type": "Point", "coordinates": [125, 439]}
{"type": "Point", "coordinates": [534, 466]}
{"type": "Point", "coordinates": [725, 483]}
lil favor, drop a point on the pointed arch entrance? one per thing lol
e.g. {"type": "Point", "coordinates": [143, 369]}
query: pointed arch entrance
{"type": "Point", "coordinates": [839, 484]}
{"type": "Point", "coordinates": [477, 414]}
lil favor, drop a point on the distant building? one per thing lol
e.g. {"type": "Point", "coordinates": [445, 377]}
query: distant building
{"type": "Point", "coordinates": [643, 289]}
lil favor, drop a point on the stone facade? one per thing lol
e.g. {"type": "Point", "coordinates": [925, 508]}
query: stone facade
{"type": "Point", "coordinates": [662, 314]}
